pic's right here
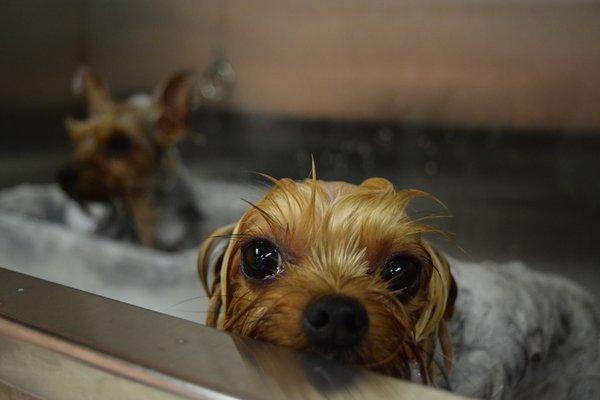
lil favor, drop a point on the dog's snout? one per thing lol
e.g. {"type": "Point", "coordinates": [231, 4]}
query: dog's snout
{"type": "Point", "coordinates": [67, 177]}
{"type": "Point", "coordinates": [335, 321]}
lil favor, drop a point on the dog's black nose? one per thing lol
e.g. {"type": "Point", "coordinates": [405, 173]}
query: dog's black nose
{"type": "Point", "coordinates": [334, 322]}
{"type": "Point", "coordinates": [67, 177]}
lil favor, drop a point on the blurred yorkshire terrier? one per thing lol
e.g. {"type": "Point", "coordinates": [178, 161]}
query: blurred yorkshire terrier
{"type": "Point", "coordinates": [335, 269]}
{"type": "Point", "coordinates": [125, 157]}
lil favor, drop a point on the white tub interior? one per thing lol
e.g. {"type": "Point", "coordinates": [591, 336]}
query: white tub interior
{"type": "Point", "coordinates": [35, 240]}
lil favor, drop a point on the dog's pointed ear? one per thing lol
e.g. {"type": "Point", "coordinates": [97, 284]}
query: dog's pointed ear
{"type": "Point", "coordinates": [447, 284]}
{"type": "Point", "coordinates": [210, 255]}
{"type": "Point", "coordinates": [378, 184]}
{"type": "Point", "coordinates": [210, 261]}
{"type": "Point", "coordinates": [90, 86]}
{"type": "Point", "coordinates": [175, 98]}
{"type": "Point", "coordinates": [441, 293]}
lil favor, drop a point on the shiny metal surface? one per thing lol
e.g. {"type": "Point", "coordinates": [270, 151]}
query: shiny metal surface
{"type": "Point", "coordinates": [61, 343]}
{"type": "Point", "coordinates": [12, 393]}
{"type": "Point", "coordinates": [38, 367]}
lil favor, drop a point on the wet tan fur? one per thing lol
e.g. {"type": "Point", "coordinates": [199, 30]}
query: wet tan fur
{"type": "Point", "coordinates": [334, 237]}
{"type": "Point", "coordinates": [152, 128]}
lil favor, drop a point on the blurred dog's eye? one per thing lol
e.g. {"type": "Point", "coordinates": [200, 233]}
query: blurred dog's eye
{"type": "Point", "coordinates": [402, 272]}
{"type": "Point", "coordinates": [118, 144]}
{"type": "Point", "coordinates": [260, 260]}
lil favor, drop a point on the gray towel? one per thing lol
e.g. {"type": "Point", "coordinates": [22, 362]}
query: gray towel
{"type": "Point", "coordinates": [521, 334]}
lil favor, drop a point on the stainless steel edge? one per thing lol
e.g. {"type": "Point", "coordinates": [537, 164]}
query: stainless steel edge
{"type": "Point", "coordinates": [61, 343]}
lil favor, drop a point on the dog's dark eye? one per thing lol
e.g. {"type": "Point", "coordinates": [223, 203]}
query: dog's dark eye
{"type": "Point", "coordinates": [402, 272]}
{"type": "Point", "coordinates": [118, 144]}
{"type": "Point", "coordinates": [260, 260]}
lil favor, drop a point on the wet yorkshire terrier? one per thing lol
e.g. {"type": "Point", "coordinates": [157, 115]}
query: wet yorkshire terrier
{"type": "Point", "coordinates": [336, 269]}
{"type": "Point", "coordinates": [125, 158]}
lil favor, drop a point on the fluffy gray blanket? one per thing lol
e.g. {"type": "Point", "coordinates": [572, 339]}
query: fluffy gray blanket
{"type": "Point", "coordinates": [521, 334]}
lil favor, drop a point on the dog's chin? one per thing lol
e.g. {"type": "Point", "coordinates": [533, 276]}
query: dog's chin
{"type": "Point", "coordinates": [399, 367]}
{"type": "Point", "coordinates": [346, 355]}
{"type": "Point", "coordinates": [83, 194]}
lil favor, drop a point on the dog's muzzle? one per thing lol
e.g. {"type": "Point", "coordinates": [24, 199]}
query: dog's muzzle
{"type": "Point", "coordinates": [335, 322]}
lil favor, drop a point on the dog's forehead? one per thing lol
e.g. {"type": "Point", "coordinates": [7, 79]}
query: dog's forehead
{"type": "Point", "coordinates": [291, 201]}
{"type": "Point", "coordinates": [132, 115]}
{"type": "Point", "coordinates": [305, 214]}
{"type": "Point", "coordinates": [122, 117]}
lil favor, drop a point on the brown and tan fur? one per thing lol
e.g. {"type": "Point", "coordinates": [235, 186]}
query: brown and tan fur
{"type": "Point", "coordinates": [334, 237]}
{"type": "Point", "coordinates": [127, 176]}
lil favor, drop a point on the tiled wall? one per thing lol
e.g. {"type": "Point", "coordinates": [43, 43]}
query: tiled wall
{"type": "Point", "coordinates": [492, 63]}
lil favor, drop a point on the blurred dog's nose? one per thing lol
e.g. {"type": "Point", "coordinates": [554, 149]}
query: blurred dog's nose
{"type": "Point", "coordinates": [335, 321]}
{"type": "Point", "coordinates": [67, 177]}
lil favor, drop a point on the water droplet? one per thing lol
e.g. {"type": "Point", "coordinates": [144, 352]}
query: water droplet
{"type": "Point", "coordinates": [385, 135]}
{"type": "Point", "coordinates": [20, 290]}
{"type": "Point", "coordinates": [364, 149]}
{"type": "Point", "coordinates": [431, 168]}
{"type": "Point", "coordinates": [218, 80]}
{"type": "Point", "coordinates": [182, 341]}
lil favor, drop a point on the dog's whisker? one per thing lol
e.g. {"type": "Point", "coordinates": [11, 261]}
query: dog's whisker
{"type": "Point", "coordinates": [198, 298]}
{"type": "Point", "coordinates": [228, 236]}
{"type": "Point", "coordinates": [233, 319]}
{"type": "Point", "coordinates": [192, 311]}
{"type": "Point", "coordinates": [187, 300]}
{"type": "Point", "coordinates": [273, 223]}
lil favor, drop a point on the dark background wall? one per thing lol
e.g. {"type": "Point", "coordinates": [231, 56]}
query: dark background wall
{"type": "Point", "coordinates": [520, 64]}
{"type": "Point", "coordinates": [41, 43]}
